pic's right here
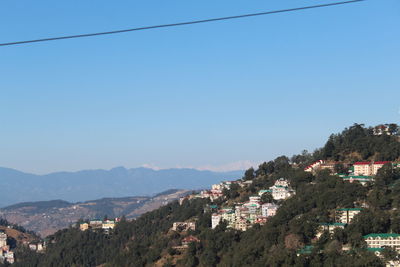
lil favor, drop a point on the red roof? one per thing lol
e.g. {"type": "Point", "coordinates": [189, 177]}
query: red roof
{"type": "Point", "coordinates": [190, 239]}
{"type": "Point", "coordinates": [382, 162]}
{"type": "Point", "coordinates": [362, 163]}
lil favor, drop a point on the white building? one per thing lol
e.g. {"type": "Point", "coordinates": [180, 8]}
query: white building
{"type": "Point", "coordinates": [252, 208]}
{"type": "Point", "coordinates": [321, 165]}
{"type": "Point", "coordinates": [368, 168]}
{"type": "Point", "coordinates": [346, 215]}
{"type": "Point", "coordinates": [183, 226]}
{"type": "Point", "coordinates": [282, 182]}
{"type": "Point", "coordinates": [281, 189]}
{"type": "Point", "coordinates": [383, 240]}
{"type": "Point", "coordinates": [281, 192]}
{"type": "Point", "coordinates": [215, 220]}
{"type": "Point", "coordinates": [381, 129]}
{"type": "Point", "coordinates": [255, 199]}
{"type": "Point", "coordinates": [330, 227]}
{"type": "Point", "coordinates": [269, 209]}
{"type": "Point", "coordinates": [3, 239]}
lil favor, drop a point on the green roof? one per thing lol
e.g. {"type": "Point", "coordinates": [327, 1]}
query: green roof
{"type": "Point", "coordinates": [213, 206]}
{"type": "Point", "coordinates": [357, 177]}
{"type": "Point", "coordinates": [305, 250]}
{"type": "Point", "coordinates": [333, 224]}
{"type": "Point", "coordinates": [375, 249]}
{"type": "Point", "coordinates": [382, 235]}
{"type": "Point", "coordinates": [265, 190]}
{"type": "Point", "coordinates": [348, 209]}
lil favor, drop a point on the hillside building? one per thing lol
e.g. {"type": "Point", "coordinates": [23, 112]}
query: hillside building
{"type": "Point", "coordinates": [189, 239]}
{"type": "Point", "coordinates": [183, 226]}
{"type": "Point", "coordinates": [6, 255]}
{"type": "Point", "coordinates": [108, 225]}
{"type": "Point", "coordinates": [281, 189]}
{"type": "Point", "coordinates": [330, 227]}
{"type": "Point", "coordinates": [97, 224]}
{"type": "Point", "coordinates": [366, 168]}
{"type": "Point", "coordinates": [269, 209]}
{"type": "Point", "coordinates": [381, 240]}
{"type": "Point", "coordinates": [215, 220]}
{"type": "Point", "coordinates": [3, 239]}
{"type": "Point", "coordinates": [382, 130]}
{"type": "Point", "coordinates": [84, 226]}
{"type": "Point", "coordinates": [346, 215]}
{"type": "Point", "coordinates": [362, 179]}
{"type": "Point", "coordinates": [321, 165]}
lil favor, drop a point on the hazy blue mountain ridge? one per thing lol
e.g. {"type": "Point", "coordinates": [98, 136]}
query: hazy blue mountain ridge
{"type": "Point", "coordinates": [94, 184]}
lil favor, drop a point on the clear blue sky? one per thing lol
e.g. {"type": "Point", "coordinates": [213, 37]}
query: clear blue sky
{"type": "Point", "coordinates": [209, 94]}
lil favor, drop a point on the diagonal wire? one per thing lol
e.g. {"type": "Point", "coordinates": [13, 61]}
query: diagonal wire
{"type": "Point", "coordinates": [177, 24]}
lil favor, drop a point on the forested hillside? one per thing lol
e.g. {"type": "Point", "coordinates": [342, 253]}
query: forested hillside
{"type": "Point", "coordinates": [286, 239]}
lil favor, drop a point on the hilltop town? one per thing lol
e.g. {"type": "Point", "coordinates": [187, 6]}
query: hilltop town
{"type": "Point", "coordinates": [339, 204]}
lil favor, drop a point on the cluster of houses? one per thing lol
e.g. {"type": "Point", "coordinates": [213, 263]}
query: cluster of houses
{"type": "Point", "coordinates": [184, 227]}
{"type": "Point", "coordinates": [343, 216]}
{"type": "Point", "coordinates": [383, 129]}
{"type": "Point", "coordinates": [216, 190]}
{"type": "Point", "coordinates": [376, 242]}
{"type": "Point", "coordinates": [362, 171]}
{"type": "Point", "coordinates": [6, 255]}
{"type": "Point", "coordinates": [96, 224]}
{"type": "Point", "coordinates": [281, 190]}
{"type": "Point", "coordinates": [243, 215]}
{"type": "Point", "coordinates": [37, 246]}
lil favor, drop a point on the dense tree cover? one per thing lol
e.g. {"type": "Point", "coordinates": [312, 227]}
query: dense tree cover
{"type": "Point", "coordinates": [358, 143]}
{"type": "Point", "coordinates": [4, 222]}
{"type": "Point", "coordinates": [147, 240]}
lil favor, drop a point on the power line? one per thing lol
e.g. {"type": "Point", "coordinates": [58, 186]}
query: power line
{"type": "Point", "coordinates": [178, 24]}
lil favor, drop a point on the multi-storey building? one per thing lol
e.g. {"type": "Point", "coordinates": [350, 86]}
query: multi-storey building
{"type": "Point", "coordinates": [321, 165]}
{"type": "Point", "coordinates": [255, 199]}
{"type": "Point", "coordinates": [346, 215]}
{"type": "Point", "coordinates": [215, 220]}
{"type": "Point", "coordinates": [3, 239]}
{"type": "Point", "coordinates": [282, 182]}
{"type": "Point", "coordinates": [229, 217]}
{"type": "Point", "coordinates": [382, 240]}
{"type": "Point", "coordinates": [269, 209]}
{"type": "Point", "coordinates": [96, 224]}
{"type": "Point", "coordinates": [108, 224]}
{"type": "Point", "coordinates": [362, 168]}
{"type": "Point", "coordinates": [242, 224]}
{"type": "Point", "coordinates": [368, 168]}
{"type": "Point", "coordinates": [330, 227]}
{"type": "Point", "coordinates": [281, 189]}
{"type": "Point", "coordinates": [252, 208]}
{"type": "Point", "coordinates": [382, 129]}
{"type": "Point", "coordinates": [362, 179]}
{"type": "Point", "coordinates": [281, 192]}
{"type": "Point", "coordinates": [83, 226]}
{"type": "Point", "coordinates": [6, 255]}
{"type": "Point", "coordinates": [183, 226]}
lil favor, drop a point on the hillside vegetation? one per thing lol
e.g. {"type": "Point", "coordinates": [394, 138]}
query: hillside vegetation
{"type": "Point", "coordinates": [47, 217]}
{"type": "Point", "coordinates": [148, 240]}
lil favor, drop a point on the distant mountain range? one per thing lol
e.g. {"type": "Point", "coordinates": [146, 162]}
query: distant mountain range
{"type": "Point", "coordinates": [46, 217]}
{"type": "Point", "coordinates": [94, 184]}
